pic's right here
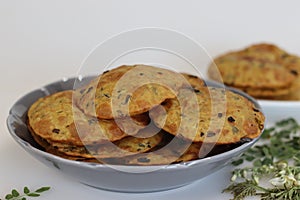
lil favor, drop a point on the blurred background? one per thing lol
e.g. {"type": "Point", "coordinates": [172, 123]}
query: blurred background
{"type": "Point", "coordinates": [41, 35]}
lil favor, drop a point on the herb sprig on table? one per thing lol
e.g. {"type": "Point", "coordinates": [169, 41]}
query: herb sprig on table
{"type": "Point", "coordinates": [15, 195]}
{"type": "Point", "coordinates": [274, 169]}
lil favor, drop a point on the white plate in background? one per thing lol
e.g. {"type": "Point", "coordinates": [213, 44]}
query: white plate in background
{"type": "Point", "coordinates": [278, 110]}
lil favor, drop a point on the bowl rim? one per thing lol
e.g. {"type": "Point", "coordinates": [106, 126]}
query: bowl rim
{"type": "Point", "coordinates": [285, 103]}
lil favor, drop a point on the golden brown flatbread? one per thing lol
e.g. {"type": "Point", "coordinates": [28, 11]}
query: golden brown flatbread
{"type": "Point", "coordinates": [262, 70]}
{"type": "Point", "coordinates": [127, 146]}
{"type": "Point", "coordinates": [243, 71]}
{"type": "Point", "coordinates": [222, 116]}
{"type": "Point", "coordinates": [128, 91]}
{"type": "Point", "coordinates": [54, 118]}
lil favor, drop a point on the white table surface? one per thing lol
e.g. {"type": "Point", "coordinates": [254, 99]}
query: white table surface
{"type": "Point", "coordinates": [42, 41]}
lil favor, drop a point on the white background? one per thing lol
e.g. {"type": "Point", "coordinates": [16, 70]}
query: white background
{"type": "Point", "coordinates": [42, 41]}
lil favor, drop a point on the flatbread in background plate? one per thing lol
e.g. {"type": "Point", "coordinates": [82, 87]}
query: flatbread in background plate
{"type": "Point", "coordinates": [243, 71]}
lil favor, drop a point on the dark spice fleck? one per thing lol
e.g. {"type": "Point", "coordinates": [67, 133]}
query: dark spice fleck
{"type": "Point", "coordinates": [231, 119]}
{"type": "Point", "coordinates": [141, 74]}
{"type": "Point", "coordinates": [149, 146]}
{"type": "Point", "coordinates": [106, 95]}
{"type": "Point", "coordinates": [160, 73]}
{"type": "Point", "coordinates": [294, 72]}
{"type": "Point", "coordinates": [90, 89]}
{"type": "Point", "coordinates": [255, 110]}
{"type": "Point", "coordinates": [126, 99]}
{"type": "Point", "coordinates": [197, 91]}
{"type": "Point", "coordinates": [220, 115]}
{"type": "Point", "coordinates": [261, 126]}
{"type": "Point", "coordinates": [211, 134]}
{"type": "Point", "coordinates": [105, 71]}
{"type": "Point", "coordinates": [55, 130]}
{"type": "Point", "coordinates": [202, 134]}
{"type": "Point", "coordinates": [143, 160]}
{"type": "Point", "coordinates": [164, 103]}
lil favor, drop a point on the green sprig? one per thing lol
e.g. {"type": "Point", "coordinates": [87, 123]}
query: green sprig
{"type": "Point", "coordinates": [15, 195]}
{"type": "Point", "coordinates": [276, 160]}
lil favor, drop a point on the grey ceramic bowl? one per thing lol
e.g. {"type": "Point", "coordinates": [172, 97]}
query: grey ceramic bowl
{"type": "Point", "coordinates": [120, 178]}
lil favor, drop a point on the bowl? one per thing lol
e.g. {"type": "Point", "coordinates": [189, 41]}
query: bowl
{"type": "Point", "coordinates": [276, 110]}
{"type": "Point", "coordinates": [117, 178]}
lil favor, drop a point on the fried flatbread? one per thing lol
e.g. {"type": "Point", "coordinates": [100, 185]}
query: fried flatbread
{"type": "Point", "coordinates": [128, 91]}
{"type": "Point", "coordinates": [54, 118]}
{"type": "Point", "coordinates": [222, 116]}
{"type": "Point", "coordinates": [262, 70]}
{"type": "Point", "coordinates": [124, 147]}
{"type": "Point", "coordinates": [243, 71]}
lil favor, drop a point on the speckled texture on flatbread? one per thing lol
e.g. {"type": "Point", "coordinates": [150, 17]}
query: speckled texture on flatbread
{"type": "Point", "coordinates": [194, 81]}
{"type": "Point", "coordinates": [128, 91]}
{"type": "Point", "coordinates": [262, 70]}
{"type": "Point", "coordinates": [56, 119]}
{"type": "Point", "coordinates": [227, 119]}
{"type": "Point", "coordinates": [244, 71]}
{"type": "Point", "coordinates": [124, 147]}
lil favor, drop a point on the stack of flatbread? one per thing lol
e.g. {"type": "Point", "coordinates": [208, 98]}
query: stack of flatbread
{"type": "Point", "coordinates": [143, 115]}
{"type": "Point", "coordinates": [264, 71]}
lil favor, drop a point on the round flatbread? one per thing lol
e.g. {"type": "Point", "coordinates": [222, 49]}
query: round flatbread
{"type": "Point", "coordinates": [244, 71]}
{"type": "Point", "coordinates": [128, 91]}
{"type": "Point", "coordinates": [223, 116]}
{"type": "Point", "coordinates": [56, 119]}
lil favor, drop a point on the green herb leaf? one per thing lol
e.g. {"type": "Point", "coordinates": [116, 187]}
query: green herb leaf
{"type": "Point", "coordinates": [237, 162]}
{"type": "Point", "coordinates": [9, 196]}
{"type": "Point", "coordinates": [278, 160]}
{"type": "Point", "coordinates": [33, 195]}
{"type": "Point", "coordinates": [15, 195]}
{"type": "Point", "coordinates": [42, 189]}
{"type": "Point", "coordinates": [26, 190]}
